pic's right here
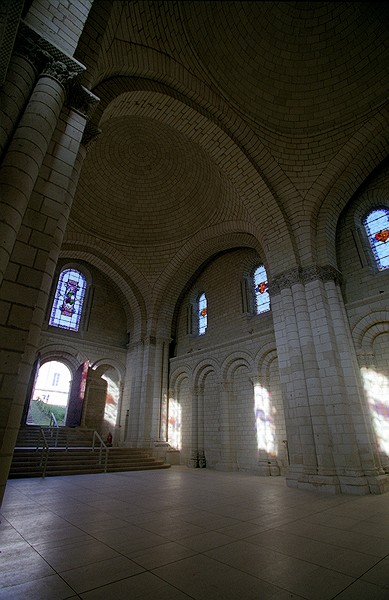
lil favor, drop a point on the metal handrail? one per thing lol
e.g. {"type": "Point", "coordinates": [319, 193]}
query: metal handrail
{"type": "Point", "coordinates": [45, 453]}
{"type": "Point", "coordinates": [103, 446]}
{"type": "Point", "coordinates": [54, 422]}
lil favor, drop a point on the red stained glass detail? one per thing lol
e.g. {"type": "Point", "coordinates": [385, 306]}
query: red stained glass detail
{"type": "Point", "coordinates": [204, 312]}
{"type": "Point", "coordinates": [262, 287]}
{"type": "Point", "coordinates": [382, 236]}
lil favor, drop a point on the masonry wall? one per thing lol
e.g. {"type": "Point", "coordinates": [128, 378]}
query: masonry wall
{"type": "Point", "coordinates": [366, 293]}
{"type": "Point", "coordinates": [230, 372]}
{"type": "Point", "coordinates": [60, 22]}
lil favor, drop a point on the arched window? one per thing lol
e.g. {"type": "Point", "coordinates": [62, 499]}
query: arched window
{"type": "Point", "coordinates": [68, 300]}
{"type": "Point", "coordinates": [203, 314]}
{"type": "Point", "coordinates": [262, 298]}
{"type": "Point", "coordinates": [377, 228]}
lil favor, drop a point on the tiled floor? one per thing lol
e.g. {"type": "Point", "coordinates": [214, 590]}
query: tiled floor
{"type": "Point", "coordinates": [182, 533]}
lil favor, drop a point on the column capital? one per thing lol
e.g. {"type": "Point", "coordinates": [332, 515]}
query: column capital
{"type": "Point", "coordinates": [81, 99]}
{"type": "Point", "coordinates": [40, 51]}
{"type": "Point", "coordinates": [304, 275]}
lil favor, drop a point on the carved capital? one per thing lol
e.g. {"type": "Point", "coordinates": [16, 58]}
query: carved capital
{"type": "Point", "coordinates": [60, 72]}
{"type": "Point", "coordinates": [28, 48]}
{"type": "Point", "coordinates": [40, 52]}
{"type": "Point", "coordinates": [304, 275]}
{"type": "Point", "coordinates": [81, 99]}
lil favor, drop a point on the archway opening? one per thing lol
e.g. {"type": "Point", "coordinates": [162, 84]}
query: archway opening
{"type": "Point", "coordinates": [50, 397]}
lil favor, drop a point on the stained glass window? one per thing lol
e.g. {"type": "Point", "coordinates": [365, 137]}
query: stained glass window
{"type": "Point", "coordinates": [68, 300]}
{"type": "Point", "coordinates": [203, 314]}
{"type": "Point", "coordinates": [377, 228]}
{"type": "Point", "coordinates": [262, 298]}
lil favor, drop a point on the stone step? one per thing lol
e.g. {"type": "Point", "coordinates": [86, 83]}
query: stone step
{"type": "Point", "coordinates": [27, 462]}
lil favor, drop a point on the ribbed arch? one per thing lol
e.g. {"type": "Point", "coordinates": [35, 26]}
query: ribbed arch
{"type": "Point", "coordinates": [203, 369]}
{"type": "Point", "coordinates": [233, 362]}
{"type": "Point", "coordinates": [176, 377]}
{"type": "Point", "coordinates": [265, 356]}
{"type": "Point", "coordinates": [366, 330]}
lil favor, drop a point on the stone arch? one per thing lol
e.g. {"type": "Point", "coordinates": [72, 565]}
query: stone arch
{"type": "Point", "coordinates": [114, 364]}
{"type": "Point", "coordinates": [179, 374]}
{"type": "Point", "coordinates": [194, 255]}
{"type": "Point", "coordinates": [126, 278]}
{"type": "Point", "coordinates": [204, 368]}
{"type": "Point", "coordinates": [345, 174]}
{"type": "Point", "coordinates": [234, 361]}
{"type": "Point", "coordinates": [71, 356]}
{"type": "Point", "coordinates": [264, 357]}
{"type": "Point", "coordinates": [367, 328]}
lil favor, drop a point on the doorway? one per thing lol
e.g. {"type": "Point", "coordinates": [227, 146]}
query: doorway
{"type": "Point", "coordinates": [50, 397]}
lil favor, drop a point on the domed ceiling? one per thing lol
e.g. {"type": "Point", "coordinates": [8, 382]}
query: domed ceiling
{"type": "Point", "coordinates": [145, 183]}
{"type": "Point", "coordinates": [292, 65]}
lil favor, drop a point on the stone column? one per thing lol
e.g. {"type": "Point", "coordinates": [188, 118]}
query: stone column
{"type": "Point", "coordinates": [25, 155]}
{"type": "Point", "coordinates": [329, 434]}
{"type": "Point", "coordinates": [133, 392]}
{"type": "Point", "coordinates": [228, 457]}
{"type": "Point", "coordinates": [200, 431]}
{"type": "Point", "coordinates": [15, 92]}
{"type": "Point", "coordinates": [302, 447]}
{"type": "Point", "coordinates": [194, 453]}
{"type": "Point", "coordinates": [160, 392]}
{"type": "Point", "coordinates": [30, 269]}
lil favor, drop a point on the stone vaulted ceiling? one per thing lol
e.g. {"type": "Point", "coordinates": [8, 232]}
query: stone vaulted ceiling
{"type": "Point", "coordinates": [289, 83]}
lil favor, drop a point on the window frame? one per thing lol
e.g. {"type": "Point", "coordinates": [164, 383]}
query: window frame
{"type": "Point", "coordinates": [56, 295]}
{"type": "Point", "coordinates": [201, 305]}
{"type": "Point", "coordinates": [255, 292]}
{"type": "Point", "coordinates": [372, 245]}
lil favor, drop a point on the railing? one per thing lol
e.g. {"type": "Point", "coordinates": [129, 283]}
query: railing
{"type": "Point", "coordinates": [52, 431]}
{"type": "Point", "coordinates": [101, 449]}
{"type": "Point", "coordinates": [54, 424]}
{"type": "Point", "coordinates": [45, 452]}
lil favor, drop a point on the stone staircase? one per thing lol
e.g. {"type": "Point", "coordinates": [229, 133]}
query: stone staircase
{"type": "Point", "coordinates": [70, 452]}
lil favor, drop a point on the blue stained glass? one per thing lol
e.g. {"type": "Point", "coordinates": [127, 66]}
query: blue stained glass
{"type": "Point", "coordinates": [262, 298]}
{"type": "Point", "coordinates": [203, 314]}
{"type": "Point", "coordinates": [377, 227]}
{"type": "Point", "coordinates": [68, 300]}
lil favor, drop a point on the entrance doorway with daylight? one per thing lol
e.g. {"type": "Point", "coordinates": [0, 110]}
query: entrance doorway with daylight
{"type": "Point", "coordinates": [50, 397]}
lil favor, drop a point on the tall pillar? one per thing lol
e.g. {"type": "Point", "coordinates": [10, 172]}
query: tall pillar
{"type": "Point", "coordinates": [146, 399]}
{"type": "Point", "coordinates": [160, 391]}
{"type": "Point", "coordinates": [28, 277]}
{"type": "Point", "coordinates": [14, 94]}
{"type": "Point", "coordinates": [228, 456]}
{"type": "Point", "coordinates": [132, 393]}
{"type": "Point", "coordinates": [194, 451]}
{"type": "Point", "coordinates": [302, 447]}
{"type": "Point", "coordinates": [23, 161]}
{"type": "Point", "coordinates": [329, 432]}
{"type": "Point", "coordinates": [200, 426]}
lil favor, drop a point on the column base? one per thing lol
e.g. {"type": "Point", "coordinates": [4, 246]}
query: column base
{"type": "Point", "coordinates": [358, 485]}
{"type": "Point", "coordinates": [328, 484]}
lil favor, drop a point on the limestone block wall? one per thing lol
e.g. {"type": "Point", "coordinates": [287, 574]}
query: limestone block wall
{"type": "Point", "coordinates": [59, 22]}
{"type": "Point", "coordinates": [366, 292]}
{"type": "Point", "coordinates": [225, 402]}
{"type": "Point", "coordinates": [101, 341]}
